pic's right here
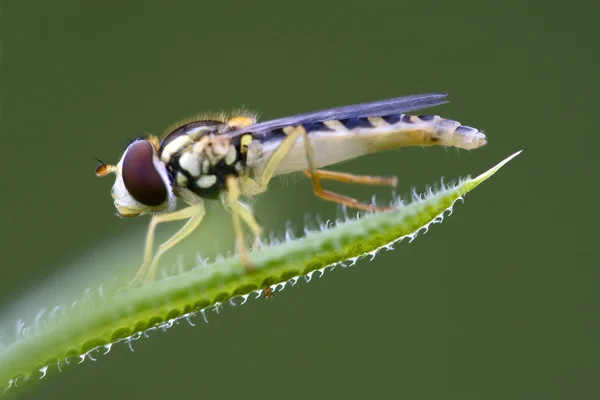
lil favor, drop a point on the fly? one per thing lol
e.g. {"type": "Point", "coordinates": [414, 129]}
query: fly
{"type": "Point", "coordinates": [227, 157]}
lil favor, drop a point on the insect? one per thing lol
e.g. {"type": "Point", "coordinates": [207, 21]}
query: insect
{"type": "Point", "coordinates": [269, 292]}
{"type": "Point", "coordinates": [231, 156]}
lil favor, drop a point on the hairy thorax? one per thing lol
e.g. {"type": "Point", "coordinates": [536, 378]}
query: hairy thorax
{"type": "Point", "coordinates": [201, 157]}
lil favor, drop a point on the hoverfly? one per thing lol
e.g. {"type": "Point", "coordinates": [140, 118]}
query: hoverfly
{"type": "Point", "coordinates": [231, 156]}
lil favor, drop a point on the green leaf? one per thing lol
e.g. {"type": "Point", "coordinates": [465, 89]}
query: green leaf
{"type": "Point", "coordinates": [105, 316]}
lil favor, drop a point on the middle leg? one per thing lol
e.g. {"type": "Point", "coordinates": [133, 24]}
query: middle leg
{"type": "Point", "coordinates": [286, 146]}
{"type": "Point", "coordinates": [240, 212]}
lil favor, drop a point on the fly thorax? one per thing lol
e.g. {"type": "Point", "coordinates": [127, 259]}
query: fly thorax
{"type": "Point", "coordinates": [213, 149]}
{"type": "Point", "coordinates": [204, 167]}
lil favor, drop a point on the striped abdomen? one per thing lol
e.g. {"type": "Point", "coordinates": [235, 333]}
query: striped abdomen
{"type": "Point", "coordinates": [429, 130]}
{"type": "Point", "coordinates": [338, 140]}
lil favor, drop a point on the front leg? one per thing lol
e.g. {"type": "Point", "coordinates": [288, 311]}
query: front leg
{"type": "Point", "coordinates": [194, 213]}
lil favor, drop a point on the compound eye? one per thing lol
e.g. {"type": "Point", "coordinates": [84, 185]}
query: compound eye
{"type": "Point", "coordinates": [141, 179]}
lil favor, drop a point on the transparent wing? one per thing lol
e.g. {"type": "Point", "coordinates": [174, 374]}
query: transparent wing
{"type": "Point", "coordinates": [380, 108]}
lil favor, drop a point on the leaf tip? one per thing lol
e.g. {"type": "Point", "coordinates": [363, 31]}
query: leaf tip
{"type": "Point", "coordinates": [495, 169]}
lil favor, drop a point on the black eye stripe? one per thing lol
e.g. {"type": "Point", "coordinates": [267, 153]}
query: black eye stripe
{"type": "Point", "coordinates": [140, 177]}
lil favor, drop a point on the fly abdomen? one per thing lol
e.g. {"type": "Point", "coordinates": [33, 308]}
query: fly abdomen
{"type": "Point", "coordinates": [337, 140]}
{"type": "Point", "coordinates": [452, 133]}
{"type": "Point", "coordinates": [430, 130]}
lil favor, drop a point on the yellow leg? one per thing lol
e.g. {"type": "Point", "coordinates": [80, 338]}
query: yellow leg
{"type": "Point", "coordinates": [193, 213]}
{"type": "Point", "coordinates": [241, 212]}
{"type": "Point", "coordinates": [248, 217]}
{"type": "Point", "coordinates": [278, 155]}
{"type": "Point", "coordinates": [351, 178]}
{"type": "Point", "coordinates": [315, 175]}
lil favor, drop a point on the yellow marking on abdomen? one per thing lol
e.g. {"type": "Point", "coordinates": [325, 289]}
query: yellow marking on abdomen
{"type": "Point", "coordinates": [386, 133]}
{"type": "Point", "coordinates": [377, 122]}
{"type": "Point", "coordinates": [335, 125]}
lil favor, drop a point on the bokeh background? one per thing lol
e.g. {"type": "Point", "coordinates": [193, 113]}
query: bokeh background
{"type": "Point", "coordinates": [498, 302]}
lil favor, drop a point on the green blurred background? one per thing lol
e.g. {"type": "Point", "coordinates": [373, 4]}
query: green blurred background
{"type": "Point", "coordinates": [498, 302]}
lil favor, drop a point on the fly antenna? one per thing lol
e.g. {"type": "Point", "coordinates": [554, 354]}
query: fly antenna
{"type": "Point", "coordinates": [104, 169]}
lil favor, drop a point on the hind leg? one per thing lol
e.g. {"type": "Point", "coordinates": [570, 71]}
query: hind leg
{"type": "Point", "coordinates": [315, 175]}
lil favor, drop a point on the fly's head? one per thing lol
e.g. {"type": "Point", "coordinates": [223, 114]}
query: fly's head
{"type": "Point", "coordinates": [142, 184]}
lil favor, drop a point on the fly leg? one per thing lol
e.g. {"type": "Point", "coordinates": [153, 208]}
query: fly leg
{"type": "Point", "coordinates": [315, 175]}
{"type": "Point", "coordinates": [193, 214]}
{"type": "Point", "coordinates": [241, 212]}
{"type": "Point", "coordinates": [351, 178]}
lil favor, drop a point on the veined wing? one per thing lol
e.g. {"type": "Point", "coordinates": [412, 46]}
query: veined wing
{"type": "Point", "coordinates": [380, 108]}
{"type": "Point", "coordinates": [343, 133]}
